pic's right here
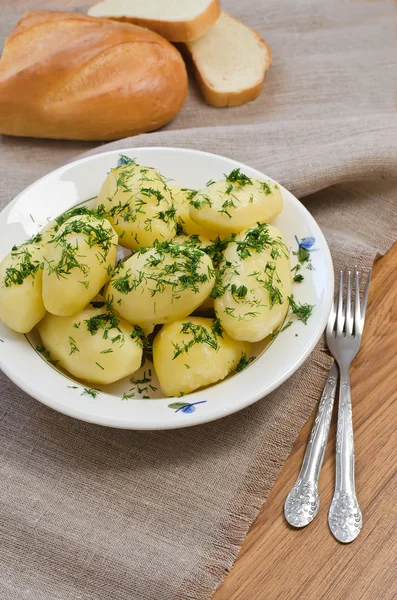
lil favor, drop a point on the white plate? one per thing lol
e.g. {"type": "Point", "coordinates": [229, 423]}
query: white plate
{"type": "Point", "coordinates": [81, 180]}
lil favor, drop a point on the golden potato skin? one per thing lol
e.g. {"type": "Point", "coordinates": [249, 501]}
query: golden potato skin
{"type": "Point", "coordinates": [183, 365]}
{"type": "Point", "coordinates": [138, 203]}
{"type": "Point", "coordinates": [255, 284]}
{"type": "Point", "coordinates": [78, 262]}
{"type": "Point", "coordinates": [21, 273]}
{"type": "Point", "coordinates": [93, 345]}
{"type": "Point", "coordinates": [158, 285]}
{"type": "Point", "coordinates": [235, 203]}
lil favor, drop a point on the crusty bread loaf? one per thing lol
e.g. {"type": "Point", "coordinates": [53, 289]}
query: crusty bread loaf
{"type": "Point", "coordinates": [229, 61]}
{"type": "Point", "coordinates": [69, 76]}
{"type": "Point", "coordinates": [176, 20]}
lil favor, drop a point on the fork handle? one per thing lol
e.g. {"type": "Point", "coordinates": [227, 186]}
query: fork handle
{"type": "Point", "coordinates": [302, 503]}
{"type": "Point", "coordinates": [345, 519]}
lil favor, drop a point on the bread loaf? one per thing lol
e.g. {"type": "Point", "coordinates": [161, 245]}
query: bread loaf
{"type": "Point", "coordinates": [69, 76]}
{"type": "Point", "coordinates": [176, 20]}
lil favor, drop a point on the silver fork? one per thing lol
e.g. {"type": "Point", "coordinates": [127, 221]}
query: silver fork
{"type": "Point", "coordinates": [344, 333]}
{"type": "Point", "coordinates": [303, 501]}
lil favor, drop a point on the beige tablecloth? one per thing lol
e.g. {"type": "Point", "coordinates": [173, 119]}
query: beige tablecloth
{"type": "Point", "coordinates": [88, 513]}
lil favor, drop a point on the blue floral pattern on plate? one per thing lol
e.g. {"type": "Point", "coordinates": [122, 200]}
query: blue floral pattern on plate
{"type": "Point", "coordinates": [185, 407]}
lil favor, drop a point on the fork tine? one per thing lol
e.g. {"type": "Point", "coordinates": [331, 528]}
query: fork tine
{"type": "Point", "coordinates": [331, 319]}
{"type": "Point", "coordinates": [357, 309]}
{"type": "Point", "coordinates": [348, 309]}
{"type": "Point", "coordinates": [365, 296]}
{"type": "Point", "coordinates": [340, 319]}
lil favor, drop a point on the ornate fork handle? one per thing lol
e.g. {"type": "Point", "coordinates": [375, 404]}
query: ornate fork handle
{"type": "Point", "coordinates": [344, 518]}
{"type": "Point", "coordinates": [302, 503]}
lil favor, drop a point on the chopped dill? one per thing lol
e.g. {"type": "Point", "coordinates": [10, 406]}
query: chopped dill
{"type": "Point", "coordinates": [244, 362]}
{"type": "Point", "coordinates": [198, 335]}
{"type": "Point", "coordinates": [298, 278]}
{"type": "Point", "coordinates": [238, 292]}
{"type": "Point", "coordinates": [237, 177]}
{"type": "Point", "coordinates": [106, 323]}
{"type": "Point", "coordinates": [73, 346]}
{"type": "Point", "coordinates": [26, 267]}
{"type": "Point", "coordinates": [288, 324]}
{"type": "Point", "coordinates": [266, 188]}
{"type": "Point", "coordinates": [258, 239]}
{"type": "Point", "coordinates": [141, 339]}
{"type": "Point", "coordinates": [180, 273]}
{"type": "Point", "coordinates": [90, 392]}
{"type": "Point", "coordinates": [301, 311]}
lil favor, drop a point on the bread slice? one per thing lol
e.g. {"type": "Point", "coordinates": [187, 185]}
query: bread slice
{"type": "Point", "coordinates": [229, 62]}
{"type": "Point", "coordinates": [176, 20]}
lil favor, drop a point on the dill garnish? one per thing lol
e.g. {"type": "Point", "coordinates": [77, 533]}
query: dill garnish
{"type": "Point", "coordinates": [180, 273]}
{"type": "Point", "coordinates": [77, 212]}
{"type": "Point", "coordinates": [244, 362]}
{"type": "Point", "coordinates": [97, 303]}
{"type": "Point", "coordinates": [258, 239]}
{"type": "Point", "coordinates": [288, 324]}
{"type": "Point", "coordinates": [301, 311]}
{"type": "Point", "coordinates": [237, 177]}
{"type": "Point", "coordinates": [26, 267]}
{"type": "Point", "coordinates": [167, 215]}
{"type": "Point", "coordinates": [143, 384]}
{"type": "Point", "coordinates": [200, 200]}
{"type": "Point", "coordinates": [238, 292]}
{"type": "Point", "coordinates": [198, 335]}
{"type": "Point", "coordinates": [190, 194]}
{"type": "Point", "coordinates": [73, 346]}
{"type": "Point", "coordinates": [266, 188]}
{"type": "Point", "coordinates": [139, 336]}
{"type": "Point", "coordinates": [94, 232]}
{"type": "Point", "coordinates": [105, 322]}
{"type": "Point", "coordinates": [216, 249]}
{"type": "Point", "coordinates": [90, 392]}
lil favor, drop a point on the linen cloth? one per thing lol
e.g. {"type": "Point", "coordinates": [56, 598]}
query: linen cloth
{"type": "Point", "coordinates": [89, 513]}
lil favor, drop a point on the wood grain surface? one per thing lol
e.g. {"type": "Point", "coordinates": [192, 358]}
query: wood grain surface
{"type": "Point", "coordinates": [279, 562]}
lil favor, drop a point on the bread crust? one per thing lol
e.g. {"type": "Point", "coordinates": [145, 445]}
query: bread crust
{"type": "Point", "coordinates": [224, 99]}
{"type": "Point", "coordinates": [179, 31]}
{"type": "Point", "coordinates": [69, 76]}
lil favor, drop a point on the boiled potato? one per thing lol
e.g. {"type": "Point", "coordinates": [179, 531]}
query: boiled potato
{"type": "Point", "coordinates": [161, 284]}
{"type": "Point", "coordinates": [138, 203]}
{"type": "Point", "coordinates": [79, 260]}
{"type": "Point", "coordinates": [94, 345]}
{"type": "Point", "coordinates": [215, 249]}
{"type": "Point", "coordinates": [254, 285]}
{"type": "Point", "coordinates": [194, 352]}
{"type": "Point", "coordinates": [182, 197]}
{"type": "Point", "coordinates": [236, 203]}
{"type": "Point", "coordinates": [21, 273]}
